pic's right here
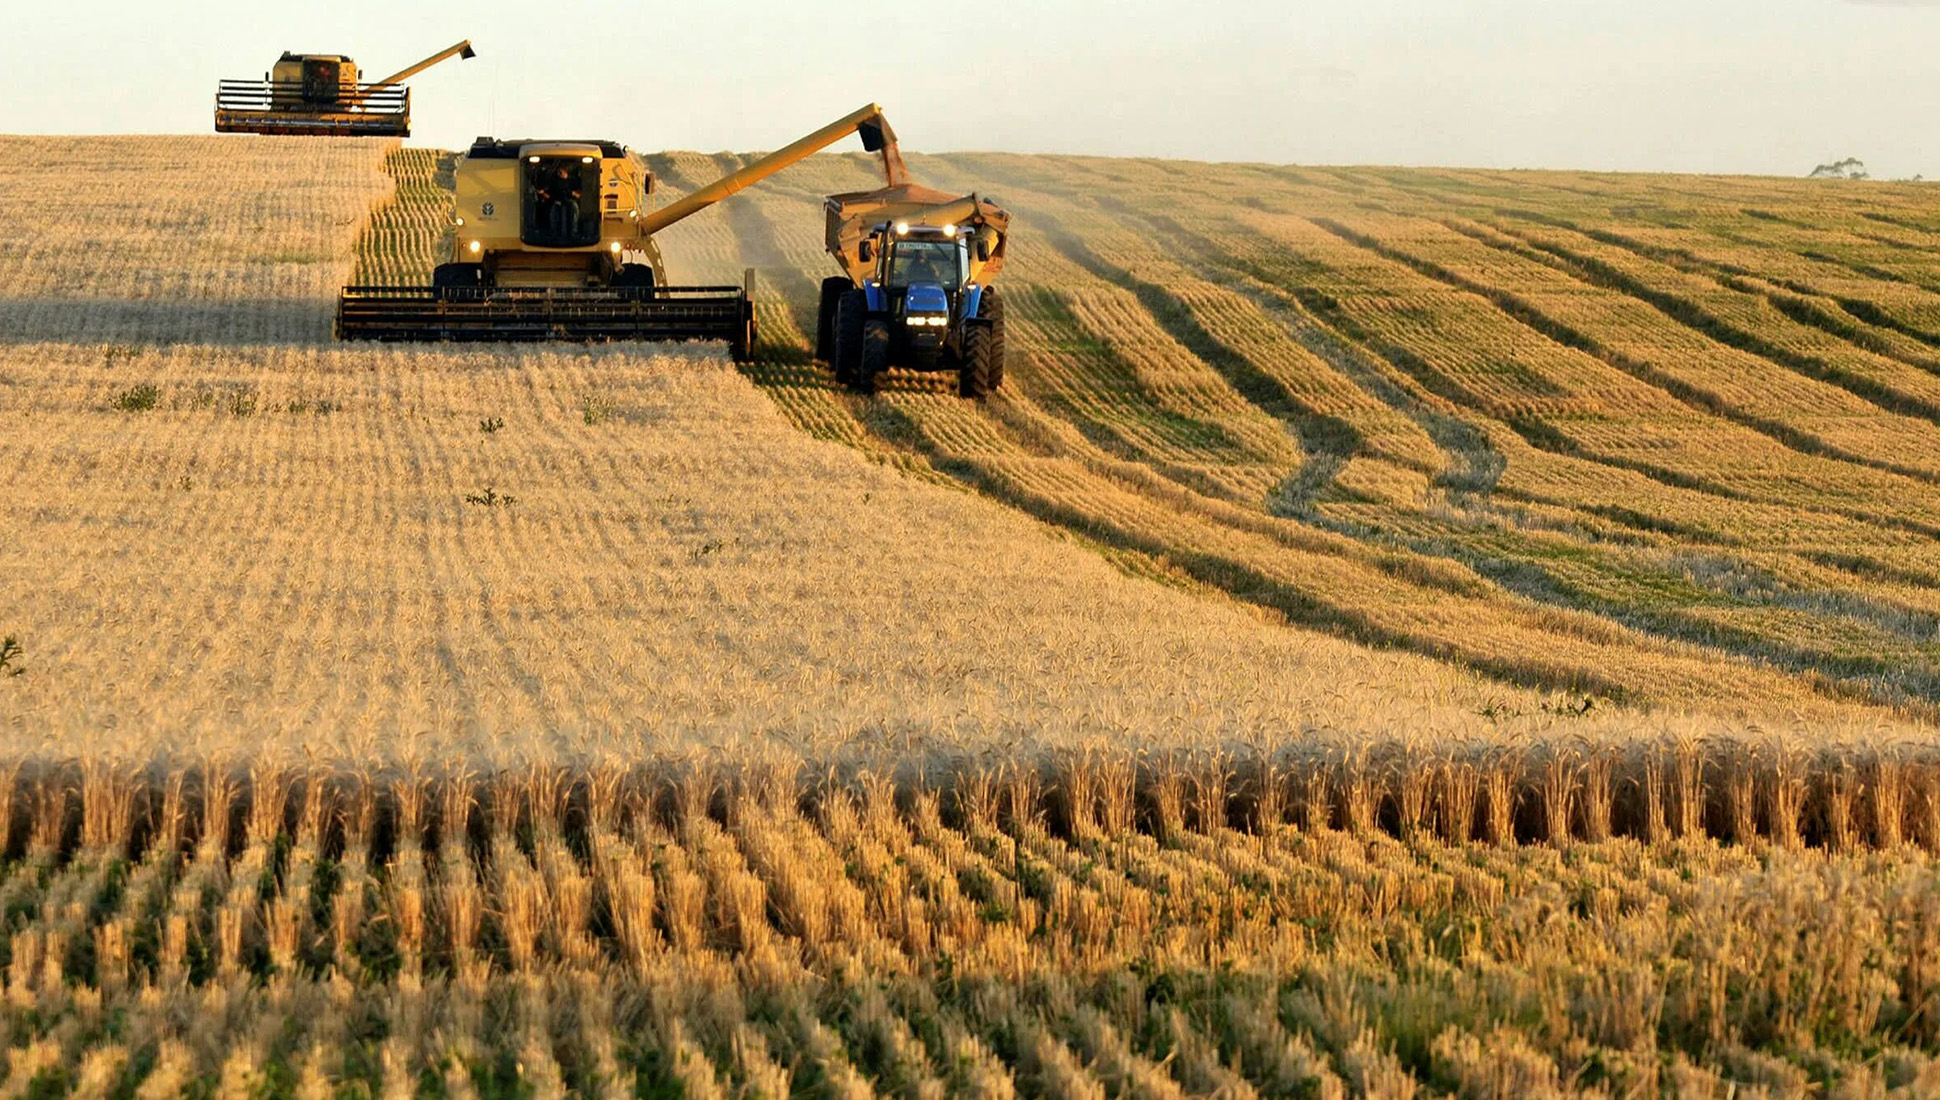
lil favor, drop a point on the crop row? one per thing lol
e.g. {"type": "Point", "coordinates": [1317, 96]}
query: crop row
{"type": "Point", "coordinates": [1091, 925]}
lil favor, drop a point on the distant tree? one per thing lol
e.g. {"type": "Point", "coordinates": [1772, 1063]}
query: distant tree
{"type": "Point", "coordinates": [1852, 168]}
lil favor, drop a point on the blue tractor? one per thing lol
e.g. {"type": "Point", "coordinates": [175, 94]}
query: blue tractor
{"type": "Point", "coordinates": [917, 294]}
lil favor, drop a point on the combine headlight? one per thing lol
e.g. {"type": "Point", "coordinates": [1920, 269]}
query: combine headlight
{"type": "Point", "coordinates": [950, 230]}
{"type": "Point", "coordinates": [476, 247]}
{"type": "Point", "coordinates": [586, 160]}
{"type": "Point", "coordinates": [615, 247]}
{"type": "Point", "coordinates": [532, 160]}
{"type": "Point", "coordinates": [902, 229]}
{"type": "Point", "coordinates": [461, 221]}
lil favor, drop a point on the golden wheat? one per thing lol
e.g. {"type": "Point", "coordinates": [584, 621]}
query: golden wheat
{"type": "Point", "coordinates": [571, 722]}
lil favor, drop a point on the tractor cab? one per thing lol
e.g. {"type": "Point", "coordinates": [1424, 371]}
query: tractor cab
{"type": "Point", "coordinates": [919, 278]}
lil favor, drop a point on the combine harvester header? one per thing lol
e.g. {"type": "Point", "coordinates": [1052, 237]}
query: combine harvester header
{"type": "Point", "coordinates": [319, 95]}
{"type": "Point", "coordinates": [554, 241]}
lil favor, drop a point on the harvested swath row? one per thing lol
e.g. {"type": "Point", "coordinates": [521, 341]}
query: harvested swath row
{"type": "Point", "coordinates": [408, 235]}
{"type": "Point", "coordinates": [1099, 923]}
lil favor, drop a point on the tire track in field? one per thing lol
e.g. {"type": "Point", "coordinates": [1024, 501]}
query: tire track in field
{"type": "Point", "coordinates": [1696, 317]}
{"type": "Point", "coordinates": [1743, 280]}
{"type": "Point", "coordinates": [1327, 442]}
{"type": "Point", "coordinates": [1513, 243]}
{"type": "Point", "coordinates": [1529, 578]}
{"type": "Point", "coordinates": [1475, 466]}
{"type": "Point", "coordinates": [1693, 396]}
{"type": "Point", "coordinates": [1866, 312]}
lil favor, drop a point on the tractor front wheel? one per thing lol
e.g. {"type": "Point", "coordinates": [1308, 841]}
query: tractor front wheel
{"type": "Point", "coordinates": [973, 377]}
{"type": "Point", "coordinates": [991, 308]}
{"type": "Point", "coordinates": [875, 356]}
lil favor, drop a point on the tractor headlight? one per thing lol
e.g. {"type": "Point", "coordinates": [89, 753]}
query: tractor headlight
{"type": "Point", "coordinates": [934, 320]}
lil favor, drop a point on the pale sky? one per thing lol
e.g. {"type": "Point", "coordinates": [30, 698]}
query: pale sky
{"type": "Point", "coordinates": [1756, 86]}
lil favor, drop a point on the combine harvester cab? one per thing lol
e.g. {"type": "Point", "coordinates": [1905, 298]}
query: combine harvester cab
{"type": "Point", "coordinates": [319, 95]}
{"type": "Point", "coordinates": [554, 241]}
{"type": "Point", "coordinates": [917, 292]}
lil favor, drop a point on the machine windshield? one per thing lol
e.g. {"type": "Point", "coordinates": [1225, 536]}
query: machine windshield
{"type": "Point", "coordinates": [915, 262]}
{"type": "Point", "coordinates": [562, 196]}
{"type": "Point", "coordinates": [321, 76]}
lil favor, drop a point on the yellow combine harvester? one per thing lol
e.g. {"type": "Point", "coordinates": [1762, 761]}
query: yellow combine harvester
{"type": "Point", "coordinates": [319, 94]}
{"type": "Point", "coordinates": [554, 241]}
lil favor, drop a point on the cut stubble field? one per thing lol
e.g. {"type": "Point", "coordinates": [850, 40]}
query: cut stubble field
{"type": "Point", "coordinates": [1399, 633]}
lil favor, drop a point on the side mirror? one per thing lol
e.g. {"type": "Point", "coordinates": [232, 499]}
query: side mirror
{"type": "Point", "coordinates": [866, 251]}
{"type": "Point", "coordinates": [983, 251]}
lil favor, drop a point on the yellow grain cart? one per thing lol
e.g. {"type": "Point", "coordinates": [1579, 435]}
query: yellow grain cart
{"type": "Point", "coordinates": [320, 94]}
{"type": "Point", "coordinates": [554, 241]}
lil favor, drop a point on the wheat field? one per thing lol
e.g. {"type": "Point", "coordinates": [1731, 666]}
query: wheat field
{"type": "Point", "coordinates": [1399, 634]}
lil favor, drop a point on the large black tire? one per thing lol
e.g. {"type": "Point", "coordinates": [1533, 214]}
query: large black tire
{"type": "Point", "coordinates": [991, 306]}
{"type": "Point", "coordinates": [446, 278]}
{"type": "Point", "coordinates": [851, 312]}
{"type": "Point", "coordinates": [875, 355]}
{"type": "Point", "coordinates": [973, 377]}
{"type": "Point", "coordinates": [634, 281]}
{"type": "Point", "coordinates": [741, 347]}
{"type": "Point", "coordinates": [833, 288]}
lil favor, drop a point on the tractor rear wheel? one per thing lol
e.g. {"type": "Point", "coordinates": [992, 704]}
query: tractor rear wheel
{"type": "Point", "coordinates": [875, 356]}
{"type": "Point", "coordinates": [851, 311]}
{"type": "Point", "coordinates": [833, 289]}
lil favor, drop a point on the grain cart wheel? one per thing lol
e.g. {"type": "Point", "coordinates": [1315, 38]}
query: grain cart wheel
{"type": "Point", "coordinates": [875, 356]}
{"type": "Point", "coordinates": [833, 289]}
{"type": "Point", "coordinates": [851, 310]}
{"type": "Point", "coordinates": [992, 307]}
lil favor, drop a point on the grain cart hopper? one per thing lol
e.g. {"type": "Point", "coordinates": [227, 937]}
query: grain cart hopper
{"type": "Point", "coordinates": [554, 241]}
{"type": "Point", "coordinates": [917, 291]}
{"type": "Point", "coordinates": [319, 94]}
